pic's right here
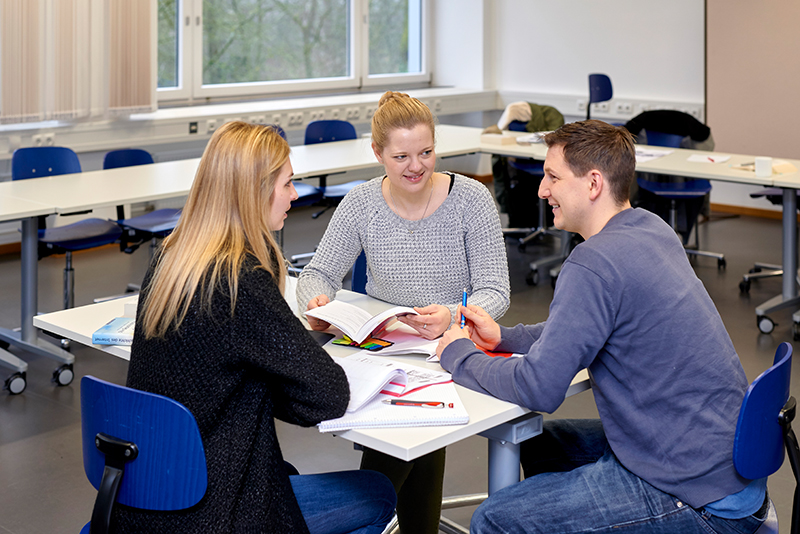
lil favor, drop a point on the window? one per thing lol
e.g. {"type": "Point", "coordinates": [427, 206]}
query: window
{"type": "Point", "coordinates": [224, 48]}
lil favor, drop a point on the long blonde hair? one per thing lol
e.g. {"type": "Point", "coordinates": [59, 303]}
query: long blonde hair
{"type": "Point", "coordinates": [398, 110]}
{"type": "Point", "coordinates": [226, 216]}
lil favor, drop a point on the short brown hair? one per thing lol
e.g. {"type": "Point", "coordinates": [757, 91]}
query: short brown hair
{"type": "Point", "coordinates": [598, 145]}
{"type": "Point", "coordinates": [398, 110]}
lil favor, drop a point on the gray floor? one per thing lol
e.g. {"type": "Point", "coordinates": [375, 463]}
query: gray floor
{"type": "Point", "coordinates": [42, 484]}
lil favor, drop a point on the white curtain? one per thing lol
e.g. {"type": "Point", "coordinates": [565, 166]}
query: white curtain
{"type": "Point", "coordinates": [48, 69]}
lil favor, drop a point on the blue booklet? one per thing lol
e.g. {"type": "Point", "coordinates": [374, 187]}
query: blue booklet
{"type": "Point", "coordinates": [118, 331]}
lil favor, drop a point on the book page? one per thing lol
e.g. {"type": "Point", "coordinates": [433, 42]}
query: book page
{"type": "Point", "coordinates": [353, 321]}
{"type": "Point", "coordinates": [344, 316]}
{"type": "Point", "coordinates": [368, 376]}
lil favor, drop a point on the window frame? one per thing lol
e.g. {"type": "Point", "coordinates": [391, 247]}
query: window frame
{"type": "Point", "coordinates": [190, 61]}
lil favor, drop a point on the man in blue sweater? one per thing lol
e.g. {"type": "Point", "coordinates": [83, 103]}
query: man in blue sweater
{"type": "Point", "coordinates": [666, 379]}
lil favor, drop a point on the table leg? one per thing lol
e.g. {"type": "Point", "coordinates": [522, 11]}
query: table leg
{"type": "Point", "coordinates": [788, 297]}
{"type": "Point", "coordinates": [504, 448]}
{"type": "Point", "coordinates": [27, 338]}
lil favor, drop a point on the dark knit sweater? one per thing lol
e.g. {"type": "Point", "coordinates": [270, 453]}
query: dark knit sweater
{"type": "Point", "coordinates": [235, 374]}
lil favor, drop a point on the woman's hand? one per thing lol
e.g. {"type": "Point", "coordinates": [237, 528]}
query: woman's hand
{"type": "Point", "coordinates": [431, 322]}
{"type": "Point", "coordinates": [316, 302]}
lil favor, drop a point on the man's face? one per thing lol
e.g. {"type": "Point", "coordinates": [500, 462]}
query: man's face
{"type": "Point", "coordinates": [567, 194]}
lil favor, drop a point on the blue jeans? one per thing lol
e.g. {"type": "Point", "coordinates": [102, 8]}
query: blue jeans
{"type": "Point", "coordinates": [575, 484]}
{"type": "Point", "coordinates": [357, 502]}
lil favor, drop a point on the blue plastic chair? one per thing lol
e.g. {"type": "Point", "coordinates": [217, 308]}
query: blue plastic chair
{"type": "Point", "coordinates": [675, 191]}
{"type": "Point", "coordinates": [37, 162]}
{"type": "Point", "coordinates": [359, 280]}
{"type": "Point", "coordinates": [325, 131]}
{"type": "Point", "coordinates": [599, 91]}
{"type": "Point", "coordinates": [328, 131]}
{"type": "Point", "coordinates": [151, 226]}
{"type": "Point", "coordinates": [764, 430]}
{"type": "Point", "coordinates": [139, 449]}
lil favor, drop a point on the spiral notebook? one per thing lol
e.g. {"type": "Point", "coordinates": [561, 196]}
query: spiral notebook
{"type": "Point", "coordinates": [376, 414]}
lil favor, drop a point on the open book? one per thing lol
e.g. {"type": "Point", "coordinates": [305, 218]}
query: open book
{"type": "Point", "coordinates": [373, 379]}
{"type": "Point", "coordinates": [355, 322]}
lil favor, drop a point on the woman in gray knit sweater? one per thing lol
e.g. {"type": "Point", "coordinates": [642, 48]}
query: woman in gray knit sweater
{"type": "Point", "coordinates": [427, 236]}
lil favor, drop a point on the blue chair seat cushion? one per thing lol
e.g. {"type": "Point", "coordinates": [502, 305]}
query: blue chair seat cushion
{"type": "Point", "coordinates": [676, 190]}
{"type": "Point", "coordinates": [529, 166]}
{"type": "Point", "coordinates": [306, 195]}
{"type": "Point", "coordinates": [158, 223]}
{"type": "Point", "coordinates": [338, 191]}
{"type": "Point", "coordinates": [81, 235]}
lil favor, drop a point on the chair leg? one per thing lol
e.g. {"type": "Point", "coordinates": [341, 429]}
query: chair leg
{"type": "Point", "coordinates": [69, 283]}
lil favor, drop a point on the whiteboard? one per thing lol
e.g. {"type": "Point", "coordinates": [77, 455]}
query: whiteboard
{"type": "Point", "coordinates": [652, 50]}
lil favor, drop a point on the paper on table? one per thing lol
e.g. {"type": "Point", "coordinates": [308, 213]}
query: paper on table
{"type": "Point", "coordinates": [376, 414]}
{"type": "Point", "coordinates": [406, 340]}
{"type": "Point", "coordinates": [649, 154]}
{"type": "Point", "coordinates": [536, 137]}
{"type": "Point", "coordinates": [708, 158]}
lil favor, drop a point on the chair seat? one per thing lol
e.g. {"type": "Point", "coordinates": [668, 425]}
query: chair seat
{"type": "Point", "coordinates": [81, 235]}
{"type": "Point", "coordinates": [688, 189]}
{"type": "Point", "coordinates": [338, 191]}
{"type": "Point", "coordinates": [159, 222]}
{"type": "Point", "coordinates": [773, 194]}
{"type": "Point", "coordinates": [306, 195]}
{"type": "Point", "coordinates": [527, 165]}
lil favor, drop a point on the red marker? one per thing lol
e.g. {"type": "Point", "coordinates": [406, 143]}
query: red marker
{"type": "Point", "coordinates": [418, 404]}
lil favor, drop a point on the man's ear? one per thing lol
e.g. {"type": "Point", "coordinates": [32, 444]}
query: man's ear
{"type": "Point", "coordinates": [597, 183]}
{"type": "Point", "coordinates": [377, 153]}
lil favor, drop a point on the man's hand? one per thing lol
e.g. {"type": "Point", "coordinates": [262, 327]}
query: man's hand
{"type": "Point", "coordinates": [484, 331]}
{"type": "Point", "coordinates": [316, 302]}
{"type": "Point", "coordinates": [431, 322]}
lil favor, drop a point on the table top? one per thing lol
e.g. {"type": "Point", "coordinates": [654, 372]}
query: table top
{"type": "Point", "coordinates": [485, 412]}
{"type": "Point", "coordinates": [676, 163]}
{"type": "Point", "coordinates": [12, 208]}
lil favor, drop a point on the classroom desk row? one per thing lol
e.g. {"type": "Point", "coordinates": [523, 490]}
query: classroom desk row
{"type": "Point", "coordinates": [25, 200]}
{"type": "Point", "coordinates": [505, 424]}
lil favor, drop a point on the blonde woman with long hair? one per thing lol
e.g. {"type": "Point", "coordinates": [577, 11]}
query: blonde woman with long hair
{"type": "Point", "coordinates": [214, 332]}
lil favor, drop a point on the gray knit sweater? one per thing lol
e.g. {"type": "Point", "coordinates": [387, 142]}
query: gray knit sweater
{"type": "Point", "coordinates": [415, 263]}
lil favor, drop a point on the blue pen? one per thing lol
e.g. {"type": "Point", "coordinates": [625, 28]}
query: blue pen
{"type": "Point", "coordinates": [463, 305]}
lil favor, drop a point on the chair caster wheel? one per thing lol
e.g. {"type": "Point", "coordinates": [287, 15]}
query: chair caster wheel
{"type": "Point", "coordinates": [754, 270]}
{"type": "Point", "coordinates": [744, 286]}
{"type": "Point", "coordinates": [721, 263]}
{"type": "Point", "coordinates": [553, 280]}
{"type": "Point", "coordinates": [16, 383]}
{"type": "Point", "coordinates": [765, 324]}
{"type": "Point", "coordinates": [533, 278]}
{"type": "Point", "coordinates": [521, 248]}
{"type": "Point", "coordinates": [63, 375]}
{"type": "Point", "coordinates": [796, 331]}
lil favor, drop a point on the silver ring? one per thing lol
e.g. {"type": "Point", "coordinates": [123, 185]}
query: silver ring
{"type": "Point", "coordinates": [425, 326]}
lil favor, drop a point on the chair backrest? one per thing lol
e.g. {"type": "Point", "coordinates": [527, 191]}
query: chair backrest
{"type": "Point", "coordinates": [39, 161]}
{"type": "Point", "coordinates": [655, 138]}
{"type": "Point", "coordinates": [329, 130]}
{"type": "Point", "coordinates": [759, 441]}
{"type": "Point", "coordinates": [126, 157]}
{"type": "Point", "coordinates": [169, 472]}
{"type": "Point", "coordinates": [599, 91]}
{"type": "Point", "coordinates": [359, 281]}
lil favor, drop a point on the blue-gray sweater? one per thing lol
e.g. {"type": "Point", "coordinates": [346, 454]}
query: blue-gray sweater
{"type": "Point", "coordinates": [666, 379]}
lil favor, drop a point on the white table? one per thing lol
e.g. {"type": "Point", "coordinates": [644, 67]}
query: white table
{"type": "Point", "coordinates": [488, 416]}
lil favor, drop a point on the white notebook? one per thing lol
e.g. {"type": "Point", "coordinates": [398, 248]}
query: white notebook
{"type": "Point", "coordinates": [376, 414]}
